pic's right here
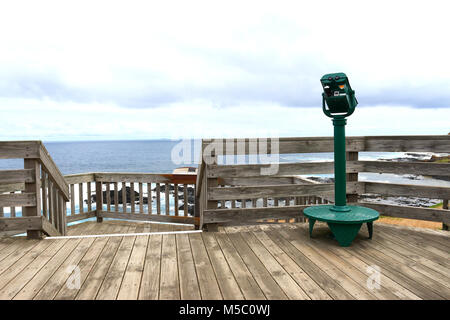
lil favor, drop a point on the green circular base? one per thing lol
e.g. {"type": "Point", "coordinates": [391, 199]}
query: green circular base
{"type": "Point", "coordinates": [355, 215]}
{"type": "Point", "coordinates": [344, 225]}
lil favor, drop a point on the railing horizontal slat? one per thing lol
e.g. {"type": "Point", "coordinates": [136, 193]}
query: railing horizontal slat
{"type": "Point", "coordinates": [252, 214]}
{"type": "Point", "coordinates": [425, 143]}
{"type": "Point", "coordinates": [12, 187]}
{"type": "Point", "coordinates": [79, 178]}
{"type": "Point", "coordinates": [18, 200]}
{"type": "Point", "coordinates": [16, 176]}
{"type": "Point", "coordinates": [422, 168]}
{"type": "Point", "coordinates": [391, 189]}
{"type": "Point", "coordinates": [147, 217]}
{"type": "Point", "coordinates": [236, 193]}
{"type": "Point", "coordinates": [145, 177]}
{"type": "Point", "coordinates": [21, 223]}
{"type": "Point", "coordinates": [407, 212]}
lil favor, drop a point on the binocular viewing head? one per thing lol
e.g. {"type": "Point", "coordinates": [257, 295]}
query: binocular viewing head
{"type": "Point", "coordinates": [338, 98]}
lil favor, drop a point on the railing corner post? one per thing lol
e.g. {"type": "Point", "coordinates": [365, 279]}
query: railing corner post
{"type": "Point", "coordinates": [33, 187]}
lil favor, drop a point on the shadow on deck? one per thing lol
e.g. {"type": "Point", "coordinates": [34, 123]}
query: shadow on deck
{"type": "Point", "coordinates": [251, 262]}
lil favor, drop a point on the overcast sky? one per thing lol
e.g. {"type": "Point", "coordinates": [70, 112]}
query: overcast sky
{"type": "Point", "coordinates": [89, 70]}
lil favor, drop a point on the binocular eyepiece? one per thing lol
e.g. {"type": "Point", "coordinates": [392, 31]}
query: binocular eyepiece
{"type": "Point", "coordinates": [338, 98]}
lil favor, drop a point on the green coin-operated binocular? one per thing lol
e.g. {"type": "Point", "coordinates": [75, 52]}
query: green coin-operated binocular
{"type": "Point", "coordinates": [339, 102]}
{"type": "Point", "coordinates": [338, 98]}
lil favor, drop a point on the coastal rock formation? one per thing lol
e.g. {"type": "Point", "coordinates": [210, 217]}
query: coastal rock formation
{"type": "Point", "coordinates": [127, 200]}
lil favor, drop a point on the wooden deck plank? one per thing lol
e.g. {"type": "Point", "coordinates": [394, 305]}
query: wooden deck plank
{"type": "Point", "coordinates": [129, 289]}
{"type": "Point", "coordinates": [60, 277]}
{"type": "Point", "coordinates": [17, 253]}
{"type": "Point", "coordinates": [352, 287]}
{"type": "Point", "coordinates": [327, 283]}
{"type": "Point", "coordinates": [86, 264]}
{"type": "Point", "coordinates": [411, 246]}
{"type": "Point", "coordinates": [93, 282]}
{"type": "Point", "coordinates": [409, 268]}
{"type": "Point", "coordinates": [15, 249]}
{"type": "Point", "coordinates": [5, 241]}
{"type": "Point", "coordinates": [313, 290]}
{"type": "Point", "coordinates": [428, 239]}
{"type": "Point", "coordinates": [265, 281]}
{"type": "Point", "coordinates": [209, 287]}
{"type": "Point", "coordinates": [169, 288]}
{"type": "Point", "coordinates": [25, 275]}
{"type": "Point", "coordinates": [41, 277]}
{"type": "Point", "coordinates": [189, 288]}
{"type": "Point", "coordinates": [284, 280]}
{"type": "Point", "coordinates": [17, 267]}
{"type": "Point", "coordinates": [149, 289]}
{"type": "Point", "coordinates": [225, 278]}
{"type": "Point", "coordinates": [399, 291]}
{"type": "Point", "coordinates": [394, 272]}
{"type": "Point", "coordinates": [244, 278]}
{"type": "Point", "coordinates": [359, 276]}
{"type": "Point", "coordinates": [426, 265]}
{"type": "Point", "coordinates": [436, 249]}
{"type": "Point", "coordinates": [113, 278]}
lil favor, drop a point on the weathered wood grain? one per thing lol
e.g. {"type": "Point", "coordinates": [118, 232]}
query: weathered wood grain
{"type": "Point", "coordinates": [391, 189]}
{"type": "Point", "coordinates": [16, 176]}
{"type": "Point", "coordinates": [27, 199]}
{"type": "Point", "coordinates": [252, 214]}
{"type": "Point", "coordinates": [235, 193]}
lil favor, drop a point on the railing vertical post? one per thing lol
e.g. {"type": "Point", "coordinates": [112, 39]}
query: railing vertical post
{"type": "Point", "coordinates": [445, 207]}
{"type": "Point", "coordinates": [352, 156]}
{"type": "Point", "coordinates": [33, 187]}
{"type": "Point", "coordinates": [63, 216]}
{"type": "Point", "coordinates": [99, 200]}
{"type": "Point", "coordinates": [211, 183]}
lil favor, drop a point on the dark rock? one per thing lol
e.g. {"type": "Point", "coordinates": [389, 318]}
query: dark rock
{"type": "Point", "coordinates": [322, 179]}
{"type": "Point", "coordinates": [128, 196]}
{"type": "Point", "coordinates": [191, 208]}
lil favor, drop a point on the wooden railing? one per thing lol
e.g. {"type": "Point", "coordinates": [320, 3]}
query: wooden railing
{"type": "Point", "coordinates": [218, 194]}
{"type": "Point", "coordinates": [225, 184]}
{"type": "Point", "coordinates": [132, 196]}
{"type": "Point", "coordinates": [39, 189]}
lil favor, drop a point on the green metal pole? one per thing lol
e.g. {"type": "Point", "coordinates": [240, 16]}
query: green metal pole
{"type": "Point", "coordinates": [340, 190]}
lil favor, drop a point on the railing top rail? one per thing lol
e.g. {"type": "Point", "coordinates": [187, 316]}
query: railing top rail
{"type": "Point", "coordinates": [176, 178]}
{"type": "Point", "coordinates": [19, 149]}
{"type": "Point", "coordinates": [403, 143]}
{"type": "Point", "coordinates": [52, 170]}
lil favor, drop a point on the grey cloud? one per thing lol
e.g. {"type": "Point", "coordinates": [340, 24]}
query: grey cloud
{"type": "Point", "coordinates": [261, 79]}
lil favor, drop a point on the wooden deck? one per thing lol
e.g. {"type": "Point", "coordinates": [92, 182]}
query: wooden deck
{"type": "Point", "coordinates": [257, 262]}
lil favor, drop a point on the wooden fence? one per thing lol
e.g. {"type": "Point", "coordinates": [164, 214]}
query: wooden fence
{"type": "Point", "coordinates": [130, 196]}
{"type": "Point", "coordinates": [39, 189]}
{"type": "Point", "coordinates": [221, 184]}
{"type": "Point", "coordinates": [222, 194]}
